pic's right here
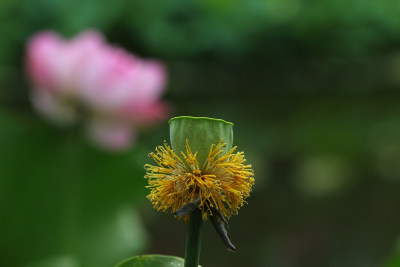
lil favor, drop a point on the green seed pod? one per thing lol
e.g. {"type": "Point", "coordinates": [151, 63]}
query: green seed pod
{"type": "Point", "coordinates": [201, 132]}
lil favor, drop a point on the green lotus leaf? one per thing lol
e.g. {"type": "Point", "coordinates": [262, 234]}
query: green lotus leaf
{"type": "Point", "coordinates": [152, 261]}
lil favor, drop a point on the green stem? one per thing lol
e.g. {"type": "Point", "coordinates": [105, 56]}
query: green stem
{"type": "Point", "coordinates": [193, 239]}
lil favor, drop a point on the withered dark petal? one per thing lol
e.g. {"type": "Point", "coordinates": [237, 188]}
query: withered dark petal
{"type": "Point", "coordinates": [220, 216]}
{"type": "Point", "coordinates": [187, 208]}
{"type": "Point", "coordinates": [220, 228]}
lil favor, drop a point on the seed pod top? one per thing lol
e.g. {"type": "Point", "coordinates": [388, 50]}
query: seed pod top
{"type": "Point", "coordinates": [202, 133]}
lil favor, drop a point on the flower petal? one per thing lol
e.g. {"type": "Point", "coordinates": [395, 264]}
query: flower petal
{"type": "Point", "coordinates": [40, 52]}
{"type": "Point", "coordinates": [110, 134]}
{"type": "Point", "coordinates": [58, 112]}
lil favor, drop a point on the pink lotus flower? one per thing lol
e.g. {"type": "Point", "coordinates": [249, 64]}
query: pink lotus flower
{"type": "Point", "coordinates": [112, 91]}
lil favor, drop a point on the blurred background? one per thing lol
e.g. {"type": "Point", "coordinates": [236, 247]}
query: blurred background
{"type": "Point", "coordinates": [313, 90]}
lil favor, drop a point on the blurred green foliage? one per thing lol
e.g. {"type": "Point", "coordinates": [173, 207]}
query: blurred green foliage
{"type": "Point", "coordinates": [60, 196]}
{"type": "Point", "coordinates": [313, 90]}
{"type": "Point", "coordinates": [394, 259]}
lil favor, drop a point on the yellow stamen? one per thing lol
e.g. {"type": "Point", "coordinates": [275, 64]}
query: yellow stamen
{"type": "Point", "coordinates": [223, 183]}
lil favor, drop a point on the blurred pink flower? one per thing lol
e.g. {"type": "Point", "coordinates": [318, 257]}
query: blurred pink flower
{"type": "Point", "coordinates": [86, 79]}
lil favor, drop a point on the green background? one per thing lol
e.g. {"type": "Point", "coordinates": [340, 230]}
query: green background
{"type": "Point", "coordinates": [313, 90]}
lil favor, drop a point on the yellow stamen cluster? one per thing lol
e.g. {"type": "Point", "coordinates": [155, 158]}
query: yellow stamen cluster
{"type": "Point", "coordinates": [222, 183]}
